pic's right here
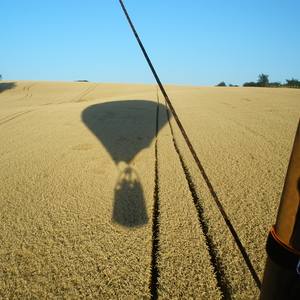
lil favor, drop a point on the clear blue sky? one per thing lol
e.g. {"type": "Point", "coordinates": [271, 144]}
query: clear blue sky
{"type": "Point", "coordinates": [189, 41]}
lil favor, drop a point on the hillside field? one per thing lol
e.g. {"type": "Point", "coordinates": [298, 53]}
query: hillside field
{"type": "Point", "coordinates": [84, 176]}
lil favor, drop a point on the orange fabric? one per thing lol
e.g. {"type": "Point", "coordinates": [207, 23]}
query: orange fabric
{"type": "Point", "coordinates": [279, 241]}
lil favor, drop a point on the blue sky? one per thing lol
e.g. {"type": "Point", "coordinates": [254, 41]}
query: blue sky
{"type": "Point", "coordinates": [193, 42]}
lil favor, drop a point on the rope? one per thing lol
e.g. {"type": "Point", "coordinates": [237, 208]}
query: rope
{"type": "Point", "coordinates": [194, 154]}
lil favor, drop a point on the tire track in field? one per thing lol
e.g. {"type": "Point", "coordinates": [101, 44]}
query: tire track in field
{"type": "Point", "coordinates": [222, 282]}
{"type": "Point", "coordinates": [9, 116]}
{"type": "Point", "coordinates": [77, 98]}
{"type": "Point", "coordinates": [84, 93]}
{"type": "Point", "coordinates": [155, 222]}
{"type": "Point", "coordinates": [254, 132]}
{"type": "Point", "coordinates": [223, 213]}
{"type": "Point", "coordinates": [13, 116]}
{"type": "Point", "coordinates": [243, 126]}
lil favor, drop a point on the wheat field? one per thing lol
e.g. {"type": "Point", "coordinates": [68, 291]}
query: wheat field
{"type": "Point", "coordinates": [93, 175]}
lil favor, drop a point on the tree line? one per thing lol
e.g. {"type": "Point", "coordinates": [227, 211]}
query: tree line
{"type": "Point", "coordinates": [263, 81]}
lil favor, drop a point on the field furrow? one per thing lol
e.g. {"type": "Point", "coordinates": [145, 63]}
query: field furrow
{"type": "Point", "coordinates": [13, 116]}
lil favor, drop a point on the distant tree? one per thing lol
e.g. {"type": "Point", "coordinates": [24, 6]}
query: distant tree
{"type": "Point", "coordinates": [222, 83]}
{"type": "Point", "coordinates": [233, 85]}
{"type": "Point", "coordinates": [250, 83]}
{"type": "Point", "coordinates": [292, 83]}
{"type": "Point", "coordinates": [275, 84]}
{"type": "Point", "coordinates": [263, 80]}
{"type": "Point", "coordinates": [0, 77]}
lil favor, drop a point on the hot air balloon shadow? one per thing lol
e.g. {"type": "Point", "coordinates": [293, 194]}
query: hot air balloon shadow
{"type": "Point", "coordinates": [125, 128]}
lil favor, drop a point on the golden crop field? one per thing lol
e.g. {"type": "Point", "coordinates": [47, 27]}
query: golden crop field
{"type": "Point", "coordinates": [100, 197]}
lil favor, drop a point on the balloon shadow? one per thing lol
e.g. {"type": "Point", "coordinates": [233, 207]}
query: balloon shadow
{"type": "Point", "coordinates": [125, 128]}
